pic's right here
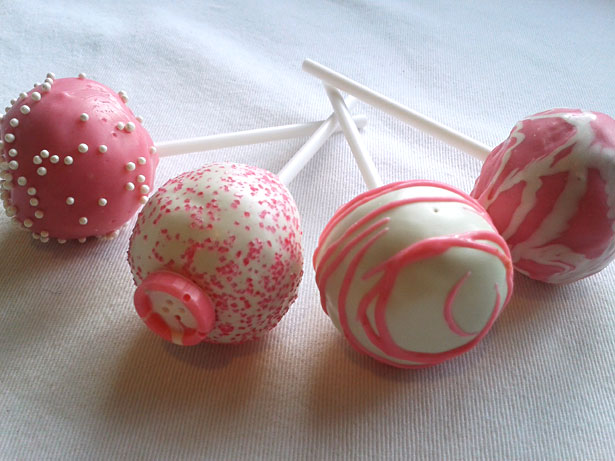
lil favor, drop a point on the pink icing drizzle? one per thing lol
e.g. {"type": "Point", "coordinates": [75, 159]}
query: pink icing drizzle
{"type": "Point", "coordinates": [369, 229]}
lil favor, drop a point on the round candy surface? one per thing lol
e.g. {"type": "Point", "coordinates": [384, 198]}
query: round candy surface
{"type": "Point", "coordinates": [232, 230]}
{"type": "Point", "coordinates": [413, 273]}
{"type": "Point", "coordinates": [76, 161]}
{"type": "Point", "coordinates": [550, 190]}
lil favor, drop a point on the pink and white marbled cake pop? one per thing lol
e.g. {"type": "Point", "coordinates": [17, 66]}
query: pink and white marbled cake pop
{"type": "Point", "coordinates": [550, 191]}
{"type": "Point", "coordinates": [413, 273]}
{"type": "Point", "coordinates": [228, 233]}
{"type": "Point", "coordinates": [76, 161]}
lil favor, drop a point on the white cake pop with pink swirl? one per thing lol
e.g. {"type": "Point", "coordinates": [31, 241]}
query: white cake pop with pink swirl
{"type": "Point", "coordinates": [550, 190]}
{"type": "Point", "coordinates": [413, 273]}
{"type": "Point", "coordinates": [216, 254]}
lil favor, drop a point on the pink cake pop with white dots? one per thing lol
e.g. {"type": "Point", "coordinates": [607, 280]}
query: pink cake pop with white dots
{"type": "Point", "coordinates": [216, 253]}
{"type": "Point", "coordinates": [412, 273]}
{"type": "Point", "coordinates": [77, 162]}
{"type": "Point", "coordinates": [549, 187]}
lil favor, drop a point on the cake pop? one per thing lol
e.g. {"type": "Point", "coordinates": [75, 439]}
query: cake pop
{"type": "Point", "coordinates": [75, 162]}
{"type": "Point", "coordinates": [412, 273]}
{"type": "Point", "coordinates": [216, 253]}
{"type": "Point", "coordinates": [549, 187]}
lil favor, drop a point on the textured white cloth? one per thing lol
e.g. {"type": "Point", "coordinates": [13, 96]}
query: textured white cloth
{"type": "Point", "coordinates": [81, 377]}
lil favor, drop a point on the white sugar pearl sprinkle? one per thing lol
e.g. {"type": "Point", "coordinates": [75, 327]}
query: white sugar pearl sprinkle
{"type": "Point", "coordinates": [39, 214]}
{"type": "Point", "coordinates": [144, 189]}
{"type": "Point", "coordinates": [50, 75]}
{"type": "Point", "coordinates": [120, 126]}
{"type": "Point", "coordinates": [141, 161]}
{"type": "Point", "coordinates": [130, 166]}
{"type": "Point", "coordinates": [130, 127]}
{"type": "Point", "coordinates": [11, 211]}
{"type": "Point", "coordinates": [152, 150]}
{"type": "Point", "coordinates": [130, 186]}
{"type": "Point", "coordinates": [7, 185]}
{"type": "Point", "coordinates": [49, 80]}
{"type": "Point", "coordinates": [22, 96]}
{"type": "Point", "coordinates": [12, 102]}
{"type": "Point", "coordinates": [68, 160]}
{"type": "Point", "coordinates": [9, 137]}
{"type": "Point", "coordinates": [45, 87]}
{"type": "Point", "coordinates": [14, 122]}
{"type": "Point", "coordinates": [139, 119]}
{"type": "Point", "coordinates": [102, 201]}
{"type": "Point", "coordinates": [22, 181]}
{"type": "Point", "coordinates": [37, 160]}
{"type": "Point", "coordinates": [70, 200]}
{"type": "Point", "coordinates": [83, 220]}
{"type": "Point", "coordinates": [81, 239]}
{"type": "Point", "coordinates": [83, 148]}
{"type": "Point", "coordinates": [143, 199]}
{"type": "Point", "coordinates": [36, 96]}
{"type": "Point", "coordinates": [13, 164]}
{"type": "Point", "coordinates": [41, 171]}
{"type": "Point", "coordinates": [140, 178]}
{"type": "Point", "coordinates": [102, 148]}
{"type": "Point", "coordinates": [25, 109]}
{"type": "Point", "coordinates": [44, 153]}
{"type": "Point", "coordinates": [54, 159]}
{"type": "Point", "coordinates": [28, 222]}
{"type": "Point", "coordinates": [122, 94]}
{"type": "Point", "coordinates": [31, 191]}
{"type": "Point", "coordinates": [34, 201]}
{"type": "Point", "coordinates": [13, 153]}
{"type": "Point", "coordinates": [84, 117]}
{"type": "Point", "coordinates": [44, 234]}
{"type": "Point", "coordinates": [81, 75]}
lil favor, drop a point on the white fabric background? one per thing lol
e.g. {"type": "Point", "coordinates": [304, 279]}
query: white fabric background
{"type": "Point", "coordinates": [82, 378]}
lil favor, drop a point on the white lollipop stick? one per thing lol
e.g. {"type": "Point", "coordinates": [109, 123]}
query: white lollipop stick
{"type": "Point", "coordinates": [397, 110]}
{"type": "Point", "coordinates": [313, 145]}
{"type": "Point", "coordinates": [240, 138]}
{"type": "Point", "coordinates": [366, 165]}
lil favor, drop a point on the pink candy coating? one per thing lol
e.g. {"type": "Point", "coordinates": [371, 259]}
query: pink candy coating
{"type": "Point", "coordinates": [234, 231]}
{"type": "Point", "coordinates": [77, 161]}
{"type": "Point", "coordinates": [550, 190]}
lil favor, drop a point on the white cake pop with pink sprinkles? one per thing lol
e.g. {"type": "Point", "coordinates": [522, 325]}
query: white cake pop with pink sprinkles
{"type": "Point", "coordinates": [216, 254]}
{"type": "Point", "coordinates": [76, 162]}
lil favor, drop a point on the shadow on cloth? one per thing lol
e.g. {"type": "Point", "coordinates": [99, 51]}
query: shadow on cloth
{"type": "Point", "coordinates": [158, 386]}
{"type": "Point", "coordinates": [347, 385]}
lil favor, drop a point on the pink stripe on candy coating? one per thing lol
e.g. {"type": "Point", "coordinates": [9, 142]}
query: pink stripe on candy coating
{"type": "Point", "coordinates": [550, 190]}
{"type": "Point", "coordinates": [349, 251]}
